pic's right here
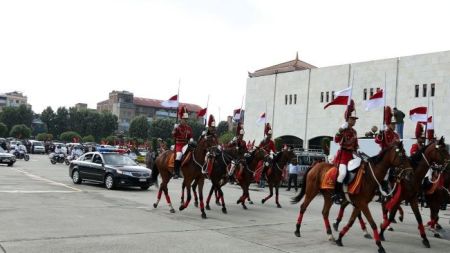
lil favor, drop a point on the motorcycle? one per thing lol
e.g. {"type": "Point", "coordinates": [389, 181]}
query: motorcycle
{"type": "Point", "coordinates": [57, 158]}
{"type": "Point", "coordinates": [21, 155]}
{"type": "Point", "coordinates": [70, 158]}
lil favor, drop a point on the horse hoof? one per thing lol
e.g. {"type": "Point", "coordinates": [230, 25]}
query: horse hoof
{"type": "Point", "coordinates": [331, 238]}
{"type": "Point", "coordinates": [426, 243]}
{"type": "Point", "coordinates": [207, 207]}
{"type": "Point", "coordinates": [278, 205]}
{"type": "Point", "coordinates": [381, 250]}
{"type": "Point", "coordinates": [297, 233]}
{"type": "Point", "coordinates": [400, 218]}
{"type": "Point", "coordinates": [181, 208]}
{"type": "Point", "coordinates": [172, 210]}
{"type": "Point", "coordinates": [203, 215]}
{"type": "Point", "coordinates": [263, 201]}
{"type": "Point", "coordinates": [155, 205]}
{"type": "Point", "coordinates": [224, 210]}
{"type": "Point", "coordinates": [250, 202]}
{"type": "Point", "coordinates": [394, 221]}
{"type": "Point", "coordinates": [218, 203]}
{"type": "Point", "coordinates": [336, 227]}
{"type": "Point", "coordinates": [390, 229]}
{"type": "Point", "coordinates": [437, 235]}
{"type": "Point", "coordinates": [196, 204]}
{"type": "Point", "coordinates": [382, 237]}
{"type": "Point", "coordinates": [245, 207]}
{"type": "Point", "coordinates": [238, 201]}
{"type": "Point", "coordinates": [367, 236]}
{"type": "Point", "coordinates": [339, 242]}
{"type": "Point", "coordinates": [438, 227]}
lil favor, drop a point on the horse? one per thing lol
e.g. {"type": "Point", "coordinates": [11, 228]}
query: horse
{"type": "Point", "coordinates": [392, 156]}
{"type": "Point", "coordinates": [274, 174]}
{"type": "Point", "coordinates": [163, 167]}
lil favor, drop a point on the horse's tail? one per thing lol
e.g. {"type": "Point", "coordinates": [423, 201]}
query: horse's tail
{"type": "Point", "coordinates": [299, 197]}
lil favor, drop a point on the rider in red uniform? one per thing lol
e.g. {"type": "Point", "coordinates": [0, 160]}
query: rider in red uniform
{"type": "Point", "coordinates": [182, 134]}
{"type": "Point", "coordinates": [239, 143]}
{"type": "Point", "coordinates": [348, 140]}
{"type": "Point", "coordinates": [268, 144]}
{"type": "Point", "coordinates": [388, 137]}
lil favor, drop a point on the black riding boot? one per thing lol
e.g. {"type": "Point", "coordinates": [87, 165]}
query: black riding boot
{"type": "Point", "coordinates": [338, 193]}
{"type": "Point", "coordinates": [177, 169]}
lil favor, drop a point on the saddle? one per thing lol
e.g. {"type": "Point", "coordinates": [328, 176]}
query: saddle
{"type": "Point", "coordinates": [186, 151]}
{"type": "Point", "coordinates": [352, 181]}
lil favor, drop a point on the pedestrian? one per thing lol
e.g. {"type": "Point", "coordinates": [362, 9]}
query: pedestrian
{"type": "Point", "coordinates": [399, 116]}
{"type": "Point", "coordinates": [293, 168]}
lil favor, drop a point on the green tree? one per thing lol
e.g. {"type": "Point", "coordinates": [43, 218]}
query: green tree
{"type": "Point", "coordinates": [226, 137]}
{"type": "Point", "coordinates": [3, 130]}
{"type": "Point", "coordinates": [20, 131]}
{"type": "Point", "coordinates": [11, 116]}
{"type": "Point", "coordinates": [197, 128]}
{"type": "Point", "coordinates": [111, 140]}
{"type": "Point", "coordinates": [69, 136]}
{"type": "Point", "coordinates": [44, 137]}
{"type": "Point", "coordinates": [222, 128]}
{"type": "Point", "coordinates": [88, 138]}
{"type": "Point", "coordinates": [139, 127]}
{"type": "Point", "coordinates": [61, 121]}
{"type": "Point", "coordinates": [48, 117]}
{"type": "Point", "coordinates": [109, 123]}
{"type": "Point", "coordinates": [162, 128]}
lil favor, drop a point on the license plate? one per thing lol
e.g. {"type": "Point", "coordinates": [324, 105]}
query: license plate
{"type": "Point", "coordinates": [142, 180]}
{"type": "Point", "coordinates": [6, 160]}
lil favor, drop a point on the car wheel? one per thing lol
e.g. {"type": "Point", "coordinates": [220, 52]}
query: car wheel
{"type": "Point", "coordinates": [109, 182]}
{"type": "Point", "coordinates": [144, 188]}
{"type": "Point", "coordinates": [76, 178]}
{"type": "Point", "coordinates": [53, 161]}
{"type": "Point", "coordinates": [10, 164]}
{"type": "Point", "coordinates": [67, 162]}
{"type": "Point", "coordinates": [26, 157]}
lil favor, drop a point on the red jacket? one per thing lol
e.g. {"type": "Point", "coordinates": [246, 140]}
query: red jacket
{"type": "Point", "coordinates": [386, 139]}
{"type": "Point", "coordinates": [182, 134]}
{"type": "Point", "coordinates": [347, 139]}
{"type": "Point", "coordinates": [414, 148]}
{"type": "Point", "coordinates": [268, 145]}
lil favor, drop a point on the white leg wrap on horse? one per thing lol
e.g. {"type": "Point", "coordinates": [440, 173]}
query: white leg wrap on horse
{"type": "Point", "coordinates": [178, 156]}
{"type": "Point", "coordinates": [342, 173]}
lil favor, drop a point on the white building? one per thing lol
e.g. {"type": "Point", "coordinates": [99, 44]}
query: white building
{"type": "Point", "coordinates": [13, 99]}
{"type": "Point", "coordinates": [295, 93]}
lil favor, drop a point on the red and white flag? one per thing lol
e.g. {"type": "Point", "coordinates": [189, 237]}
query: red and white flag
{"type": "Point", "coordinates": [202, 112]}
{"type": "Point", "coordinates": [418, 114]}
{"type": "Point", "coordinates": [341, 98]}
{"type": "Point", "coordinates": [375, 101]}
{"type": "Point", "coordinates": [430, 124]}
{"type": "Point", "coordinates": [171, 103]}
{"type": "Point", "coordinates": [262, 119]}
{"type": "Point", "coordinates": [237, 115]}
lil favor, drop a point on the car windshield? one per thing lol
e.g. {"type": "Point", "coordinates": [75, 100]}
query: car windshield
{"type": "Point", "coordinates": [118, 160]}
{"type": "Point", "coordinates": [37, 144]}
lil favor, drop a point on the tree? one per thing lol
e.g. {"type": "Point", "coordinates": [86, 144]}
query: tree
{"type": "Point", "coordinates": [162, 128]}
{"type": "Point", "coordinates": [11, 116]}
{"type": "Point", "coordinates": [197, 128]}
{"type": "Point", "coordinates": [3, 130]}
{"type": "Point", "coordinates": [44, 137]}
{"type": "Point", "coordinates": [226, 137]}
{"type": "Point", "coordinates": [48, 117]}
{"type": "Point", "coordinates": [139, 127]}
{"type": "Point", "coordinates": [61, 121]}
{"type": "Point", "coordinates": [88, 138]}
{"type": "Point", "coordinates": [69, 136]}
{"type": "Point", "coordinates": [20, 131]}
{"type": "Point", "coordinates": [222, 128]}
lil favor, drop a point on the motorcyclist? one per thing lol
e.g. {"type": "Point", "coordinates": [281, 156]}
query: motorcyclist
{"type": "Point", "coordinates": [76, 152]}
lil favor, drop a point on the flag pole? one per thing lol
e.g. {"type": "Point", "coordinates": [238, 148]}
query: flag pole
{"type": "Point", "coordinates": [265, 121]}
{"type": "Point", "coordinates": [426, 121]}
{"type": "Point", "coordinates": [205, 117]}
{"type": "Point", "coordinates": [178, 98]}
{"type": "Point", "coordinates": [384, 106]}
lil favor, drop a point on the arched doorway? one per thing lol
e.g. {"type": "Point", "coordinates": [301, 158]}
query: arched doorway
{"type": "Point", "coordinates": [316, 143]}
{"type": "Point", "coordinates": [291, 140]}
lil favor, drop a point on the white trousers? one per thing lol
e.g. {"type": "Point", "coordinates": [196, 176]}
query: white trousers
{"type": "Point", "coordinates": [342, 173]}
{"type": "Point", "coordinates": [178, 156]}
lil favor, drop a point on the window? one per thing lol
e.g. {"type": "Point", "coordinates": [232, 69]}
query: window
{"type": "Point", "coordinates": [295, 99]}
{"type": "Point", "coordinates": [332, 95]}
{"type": "Point", "coordinates": [290, 99]}
{"type": "Point", "coordinates": [416, 91]}
{"type": "Point", "coordinates": [328, 96]}
{"type": "Point", "coordinates": [432, 90]}
{"type": "Point", "coordinates": [371, 92]}
{"type": "Point", "coordinates": [321, 97]}
{"type": "Point", "coordinates": [285, 99]}
{"type": "Point", "coordinates": [424, 90]}
{"type": "Point", "coordinates": [365, 94]}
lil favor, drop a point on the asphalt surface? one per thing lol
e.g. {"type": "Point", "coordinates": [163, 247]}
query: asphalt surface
{"type": "Point", "coordinates": [41, 210]}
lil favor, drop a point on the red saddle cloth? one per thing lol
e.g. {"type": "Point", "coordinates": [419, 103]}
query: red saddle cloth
{"type": "Point", "coordinates": [329, 180]}
{"type": "Point", "coordinates": [209, 166]}
{"type": "Point", "coordinates": [259, 170]}
{"type": "Point", "coordinates": [171, 160]}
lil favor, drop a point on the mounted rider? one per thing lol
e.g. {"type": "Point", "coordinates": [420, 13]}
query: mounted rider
{"type": "Point", "coordinates": [420, 139]}
{"type": "Point", "coordinates": [211, 127]}
{"type": "Point", "coordinates": [348, 140]}
{"type": "Point", "coordinates": [182, 133]}
{"type": "Point", "coordinates": [238, 143]}
{"type": "Point", "coordinates": [268, 145]}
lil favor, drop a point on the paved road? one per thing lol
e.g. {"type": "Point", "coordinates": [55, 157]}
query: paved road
{"type": "Point", "coordinates": [42, 211]}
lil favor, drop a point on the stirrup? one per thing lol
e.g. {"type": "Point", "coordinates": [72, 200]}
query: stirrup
{"type": "Point", "coordinates": [337, 199]}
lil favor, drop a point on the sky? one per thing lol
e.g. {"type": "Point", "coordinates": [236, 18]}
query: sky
{"type": "Point", "coordinates": [60, 53]}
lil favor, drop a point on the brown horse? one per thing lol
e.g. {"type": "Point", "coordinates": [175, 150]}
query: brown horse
{"type": "Point", "coordinates": [274, 174]}
{"type": "Point", "coordinates": [375, 170]}
{"type": "Point", "coordinates": [163, 167]}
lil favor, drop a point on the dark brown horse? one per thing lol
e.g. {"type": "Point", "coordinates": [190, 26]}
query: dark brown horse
{"type": "Point", "coordinates": [375, 170]}
{"type": "Point", "coordinates": [274, 174]}
{"type": "Point", "coordinates": [189, 169]}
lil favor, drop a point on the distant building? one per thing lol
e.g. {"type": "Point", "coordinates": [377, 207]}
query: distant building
{"type": "Point", "coordinates": [13, 99]}
{"type": "Point", "coordinates": [125, 106]}
{"type": "Point", "coordinates": [81, 106]}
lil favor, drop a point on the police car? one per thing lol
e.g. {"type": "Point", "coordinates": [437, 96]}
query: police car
{"type": "Point", "coordinates": [109, 167]}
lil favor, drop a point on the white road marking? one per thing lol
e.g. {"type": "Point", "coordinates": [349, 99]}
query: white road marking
{"type": "Point", "coordinates": [46, 180]}
{"type": "Point", "coordinates": [20, 191]}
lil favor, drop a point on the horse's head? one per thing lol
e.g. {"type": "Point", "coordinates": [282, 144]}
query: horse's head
{"type": "Point", "coordinates": [437, 154]}
{"type": "Point", "coordinates": [393, 156]}
{"type": "Point", "coordinates": [285, 155]}
{"type": "Point", "coordinates": [207, 143]}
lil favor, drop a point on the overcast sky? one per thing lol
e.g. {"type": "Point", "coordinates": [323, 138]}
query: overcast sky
{"type": "Point", "coordinates": [63, 52]}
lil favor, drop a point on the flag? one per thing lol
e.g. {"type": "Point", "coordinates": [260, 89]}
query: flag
{"type": "Point", "coordinates": [375, 101]}
{"type": "Point", "coordinates": [171, 103]}
{"type": "Point", "coordinates": [261, 119]}
{"type": "Point", "coordinates": [430, 124]}
{"type": "Point", "coordinates": [202, 112]}
{"type": "Point", "coordinates": [237, 115]}
{"type": "Point", "coordinates": [418, 114]}
{"type": "Point", "coordinates": [341, 97]}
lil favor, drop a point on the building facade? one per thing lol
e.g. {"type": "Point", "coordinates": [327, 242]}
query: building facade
{"type": "Point", "coordinates": [126, 106]}
{"type": "Point", "coordinates": [295, 94]}
{"type": "Point", "coordinates": [13, 99]}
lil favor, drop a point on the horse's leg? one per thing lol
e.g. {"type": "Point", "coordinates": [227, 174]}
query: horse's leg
{"type": "Point", "coordinates": [200, 195]}
{"type": "Point", "coordinates": [434, 205]}
{"type": "Point", "coordinates": [224, 208]}
{"type": "Point", "coordinates": [309, 196]}
{"type": "Point", "coordinates": [270, 194]}
{"type": "Point", "coordinates": [188, 191]}
{"type": "Point", "coordinates": [166, 193]}
{"type": "Point", "coordinates": [194, 190]}
{"type": "Point", "coordinates": [373, 225]}
{"type": "Point", "coordinates": [276, 196]}
{"type": "Point", "coordinates": [347, 227]}
{"type": "Point", "coordinates": [402, 214]}
{"type": "Point", "coordinates": [415, 208]}
{"type": "Point", "coordinates": [217, 195]}
{"type": "Point", "coordinates": [208, 199]}
{"type": "Point", "coordinates": [245, 196]}
{"type": "Point", "coordinates": [182, 193]}
{"type": "Point", "coordinates": [325, 213]}
{"type": "Point", "coordinates": [363, 227]}
{"type": "Point", "coordinates": [340, 216]}
{"type": "Point", "coordinates": [160, 191]}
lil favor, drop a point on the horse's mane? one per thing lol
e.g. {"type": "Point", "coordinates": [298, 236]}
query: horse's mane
{"type": "Point", "coordinates": [378, 158]}
{"type": "Point", "coordinates": [415, 159]}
